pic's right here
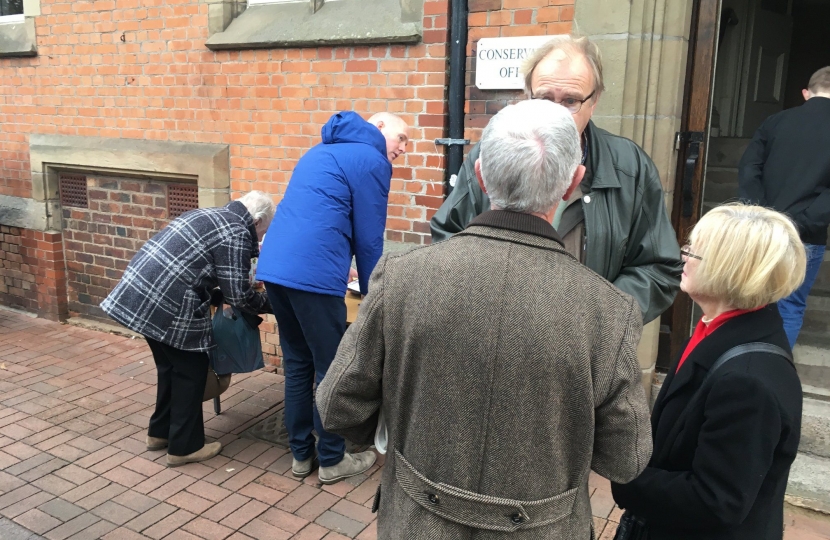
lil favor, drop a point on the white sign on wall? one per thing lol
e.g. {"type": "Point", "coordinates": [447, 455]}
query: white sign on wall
{"type": "Point", "coordinates": [498, 61]}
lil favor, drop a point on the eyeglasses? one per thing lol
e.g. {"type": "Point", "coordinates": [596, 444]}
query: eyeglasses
{"type": "Point", "coordinates": [572, 104]}
{"type": "Point", "coordinates": [686, 251]}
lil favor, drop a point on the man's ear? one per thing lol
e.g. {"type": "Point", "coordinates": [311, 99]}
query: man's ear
{"type": "Point", "coordinates": [380, 124]}
{"type": "Point", "coordinates": [806, 94]}
{"type": "Point", "coordinates": [579, 174]}
{"type": "Point", "coordinates": [478, 175]}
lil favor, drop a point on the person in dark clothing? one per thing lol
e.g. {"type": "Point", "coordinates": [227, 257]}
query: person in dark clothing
{"type": "Point", "coordinates": [165, 295]}
{"type": "Point", "coordinates": [723, 448]}
{"type": "Point", "coordinates": [334, 208]}
{"type": "Point", "coordinates": [787, 167]}
{"type": "Point", "coordinates": [615, 222]}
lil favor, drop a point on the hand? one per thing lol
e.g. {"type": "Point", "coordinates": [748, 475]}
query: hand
{"type": "Point", "coordinates": [216, 297]}
{"type": "Point", "coordinates": [352, 274]}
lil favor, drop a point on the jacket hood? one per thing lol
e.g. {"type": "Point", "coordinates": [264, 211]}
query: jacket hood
{"type": "Point", "coordinates": [349, 127]}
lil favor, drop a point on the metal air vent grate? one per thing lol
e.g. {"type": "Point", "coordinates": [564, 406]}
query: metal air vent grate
{"type": "Point", "coordinates": [73, 190]}
{"type": "Point", "coordinates": [181, 198]}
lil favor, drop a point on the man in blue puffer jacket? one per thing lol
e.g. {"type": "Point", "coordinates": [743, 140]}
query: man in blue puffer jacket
{"type": "Point", "coordinates": [334, 208]}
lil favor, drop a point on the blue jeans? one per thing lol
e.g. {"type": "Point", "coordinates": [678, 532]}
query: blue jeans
{"type": "Point", "coordinates": [310, 326]}
{"type": "Point", "coordinates": [792, 307]}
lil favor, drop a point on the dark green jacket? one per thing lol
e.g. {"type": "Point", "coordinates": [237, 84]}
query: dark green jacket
{"type": "Point", "coordinates": [629, 238]}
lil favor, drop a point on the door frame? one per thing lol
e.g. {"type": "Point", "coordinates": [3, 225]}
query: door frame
{"type": "Point", "coordinates": [692, 146]}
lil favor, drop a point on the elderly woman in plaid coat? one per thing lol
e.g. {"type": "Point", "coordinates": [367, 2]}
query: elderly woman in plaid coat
{"type": "Point", "coordinates": [165, 295]}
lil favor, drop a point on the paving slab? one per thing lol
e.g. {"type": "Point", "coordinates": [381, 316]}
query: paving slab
{"type": "Point", "coordinates": [73, 464]}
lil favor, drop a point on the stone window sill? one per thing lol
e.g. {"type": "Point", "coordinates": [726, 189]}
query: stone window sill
{"type": "Point", "coordinates": [345, 22]}
{"type": "Point", "coordinates": [17, 36]}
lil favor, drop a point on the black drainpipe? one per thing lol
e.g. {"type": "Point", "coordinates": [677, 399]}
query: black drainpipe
{"type": "Point", "coordinates": [458, 63]}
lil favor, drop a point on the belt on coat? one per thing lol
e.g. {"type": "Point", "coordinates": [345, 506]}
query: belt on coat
{"type": "Point", "coordinates": [477, 510]}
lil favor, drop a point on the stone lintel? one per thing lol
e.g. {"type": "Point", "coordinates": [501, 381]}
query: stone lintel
{"type": "Point", "coordinates": [208, 164]}
{"type": "Point", "coordinates": [23, 212]}
{"type": "Point", "coordinates": [18, 38]}
{"type": "Point", "coordinates": [342, 22]}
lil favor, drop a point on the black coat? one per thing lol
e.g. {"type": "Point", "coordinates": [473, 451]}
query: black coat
{"type": "Point", "coordinates": [726, 472]}
{"type": "Point", "coordinates": [787, 167]}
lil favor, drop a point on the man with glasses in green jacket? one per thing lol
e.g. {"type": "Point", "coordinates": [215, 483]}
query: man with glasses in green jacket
{"type": "Point", "coordinates": [616, 222]}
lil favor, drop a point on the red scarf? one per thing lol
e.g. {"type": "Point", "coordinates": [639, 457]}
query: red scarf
{"type": "Point", "coordinates": [702, 330]}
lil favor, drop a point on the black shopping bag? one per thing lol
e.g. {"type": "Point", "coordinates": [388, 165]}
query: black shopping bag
{"type": "Point", "coordinates": [238, 344]}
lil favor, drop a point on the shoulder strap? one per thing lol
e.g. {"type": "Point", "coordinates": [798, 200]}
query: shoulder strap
{"type": "Point", "coordinates": [738, 350]}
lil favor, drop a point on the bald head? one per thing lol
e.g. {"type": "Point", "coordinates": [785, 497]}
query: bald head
{"type": "Point", "coordinates": [394, 130]}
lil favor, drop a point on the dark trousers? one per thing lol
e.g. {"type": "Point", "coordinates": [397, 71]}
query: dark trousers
{"type": "Point", "coordinates": [181, 387]}
{"type": "Point", "coordinates": [310, 328]}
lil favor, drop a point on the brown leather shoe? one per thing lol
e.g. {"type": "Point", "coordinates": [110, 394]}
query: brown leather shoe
{"type": "Point", "coordinates": [156, 443]}
{"type": "Point", "coordinates": [203, 454]}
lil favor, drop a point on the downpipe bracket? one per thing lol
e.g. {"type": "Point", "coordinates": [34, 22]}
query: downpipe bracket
{"type": "Point", "coordinates": [452, 142]}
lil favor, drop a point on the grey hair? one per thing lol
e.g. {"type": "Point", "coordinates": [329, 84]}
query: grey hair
{"type": "Point", "coordinates": [569, 44]}
{"type": "Point", "coordinates": [529, 153]}
{"type": "Point", "coordinates": [820, 81]}
{"type": "Point", "coordinates": [260, 205]}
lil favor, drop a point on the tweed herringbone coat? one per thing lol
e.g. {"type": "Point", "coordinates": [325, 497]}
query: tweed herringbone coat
{"type": "Point", "coordinates": [506, 371]}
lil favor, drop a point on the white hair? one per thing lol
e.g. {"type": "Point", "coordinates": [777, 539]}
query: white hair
{"type": "Point", "coordinates": [260, 205]}
{"type": "Point", "coordinates": [529, 154]}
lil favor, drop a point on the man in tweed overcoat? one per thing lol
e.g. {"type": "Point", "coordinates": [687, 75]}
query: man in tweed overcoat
{"type": "Point", "coordinates": [494, 424]}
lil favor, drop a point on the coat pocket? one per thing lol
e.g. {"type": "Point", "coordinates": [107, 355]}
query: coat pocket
{"type": "Point", "coordinates": [477, 510]}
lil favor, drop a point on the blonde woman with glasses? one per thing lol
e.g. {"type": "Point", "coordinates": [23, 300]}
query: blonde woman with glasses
{"type": "Point", "coordinates": [727, 421]}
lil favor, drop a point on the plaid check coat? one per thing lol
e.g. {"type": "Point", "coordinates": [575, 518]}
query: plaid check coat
{"type": "Point", "coordinates": [166, 289]}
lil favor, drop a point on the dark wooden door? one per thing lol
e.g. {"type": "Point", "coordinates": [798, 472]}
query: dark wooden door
{"type": "Point", "coordinates": [692, 142]}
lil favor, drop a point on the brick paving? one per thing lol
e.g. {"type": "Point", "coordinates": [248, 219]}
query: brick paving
{"type": "Point", "coordinates": [74, 408]}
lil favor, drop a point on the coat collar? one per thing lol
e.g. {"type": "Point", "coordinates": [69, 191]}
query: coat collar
{"type": "Point", "coordinates": [514, 221]}
{"type": "Point", "coordinates": [600, 172]}
{"type": "Point", "coordinates": [820, 103]}
{"type": "Point", "coordinates": [764, 325]}
{"type": "Point", "coordinates": [240, 210]}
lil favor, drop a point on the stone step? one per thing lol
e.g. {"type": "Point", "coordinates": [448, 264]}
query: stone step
{"type": "Point", "coordinates": [809, 483]}
{"type": "Point", "coordinates": [816, 320]}
{"type": "Point", "coordinates": [708, 206]}
{"type": "Point", "coordinates": [815, 428]}
{"type": "Point", "coordinates": [822, 283]}
{"type": "Point", "coordinates": [724, 176]}
{"type": "Point", "coordinates": [726, 151]}
{"type": "Point", "coordinates": [820, 340]}
{"type": "Point", "coordinates": [811, 355]}
{"type": "Point", "coordinates": [720, 193]}
{"type": "Point", "coordinates": [815, 419]}
{"type": "Point", "coordinates": [815, 381]}
{"type": "Point", "coordinates": [817, 315]}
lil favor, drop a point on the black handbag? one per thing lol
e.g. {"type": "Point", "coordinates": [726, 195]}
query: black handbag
{"type": "Point", "coordinates": [631, 528]}
{"type": "Point", "coordinates": [634, 528]}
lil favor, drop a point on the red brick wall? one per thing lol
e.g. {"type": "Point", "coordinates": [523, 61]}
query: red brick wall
{"type": "Point", "coordinates": [506, 18]}
{"type": "Point", "coordinates": [138, 69]}
{"type": "Point", "coordinates": [18, 285]}
{"type": "Point", "coordinates": [99, 241]}
{"type": "Point", "coordinates": [162, 83]}
{"type": "Point", "coordinates": [32, 272]}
